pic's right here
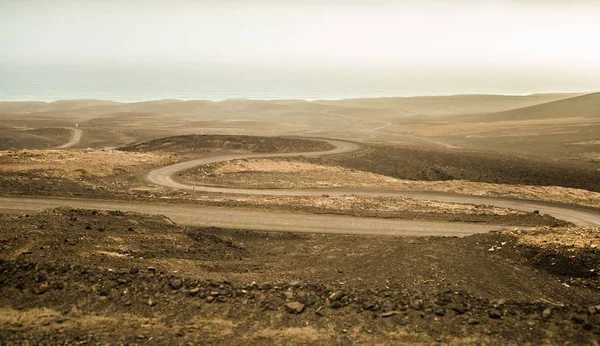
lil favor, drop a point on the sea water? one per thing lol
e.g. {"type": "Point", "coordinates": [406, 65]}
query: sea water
{"type": "Point", "coordinates": [140, 82]}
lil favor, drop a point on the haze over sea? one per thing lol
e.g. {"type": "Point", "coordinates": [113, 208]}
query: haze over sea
{"type": "Point", "coordinates": [142, 82]}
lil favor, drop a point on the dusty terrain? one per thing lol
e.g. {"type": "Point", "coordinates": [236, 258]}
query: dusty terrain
{"type": "Point", "coordinates": [81, 275]}
{"type": "Point", "coordinates": [94, 276]}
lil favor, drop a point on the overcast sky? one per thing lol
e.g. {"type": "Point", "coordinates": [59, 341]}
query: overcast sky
{"type": "Point", "coordinates": [352, 33]}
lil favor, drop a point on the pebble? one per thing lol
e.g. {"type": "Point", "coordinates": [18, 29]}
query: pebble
{"type": "Point", "coordinates": [294, 307]}
{"type": "Point", "coordinates": [494, 313]}
{"type": "Point", "coordinates": [579, 318]}
{"type": "Point", "coordinates": [176, 284]}
{"type": "Point", "coordinates": [210, 299]}
{"type": "Point", "coordinates": [288, 295]}
{"type": "Point", "coordinates": [473, 321]}
{"type": "Point", "coordinates": [335, 296]}
{"type": "Point", "coordinates": [547, 313]}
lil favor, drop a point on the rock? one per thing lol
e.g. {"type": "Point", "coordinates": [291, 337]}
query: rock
{"type": "Point", "coordinates": [494, 313]}
{"type": "Point", "coordinates": [176, 284]}
{"type": "Point", "coordinates": [151, 302]}
{"type": "Point", "coordinates": [417, 304]}
{"type": "Point", "coordinates": [296, 284]}
{"type": "Point", "coordinates": [288, 295]}
{"type": "Point", "coordinates": [592, 310]}
{"type": "Point", "coordinates": [500, 302]}
{"type": "Point", "coordinates": [210, 299]}
{"type": "Point", "coordinates": [43, 288]}
{"type": "Point", "coordinates": [134, 270]}
{"type": "Point", "coordinates": [194, 291]}
{"type": "Point", "coordinates": [473, 321]}
{"type": "Point", "coordinates": [337, 304]}
{"type": "Point", "coordinates": [579, 318]}
{"type": "Point", "coordinates": [104, 291]}
{"type": "Point", "coordinates": [458, 308]}
{"type": "Point", "coordinates": [439, 312]}
{"type": "Point", "coordinates": [547, 313]}
{"type": "Point", "coordinates": [335, 296]}
{"type": "Point", "coordinates": [294, 307]}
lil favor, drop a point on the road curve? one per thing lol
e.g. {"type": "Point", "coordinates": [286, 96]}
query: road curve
{"type": "Point", "coordinates": [75, 138]}
{"type": "Point", "coordinates": [585, 217]}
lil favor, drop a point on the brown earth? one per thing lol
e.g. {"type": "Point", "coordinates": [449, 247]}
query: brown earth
{"type": "Point", "coordinates": [14, 139]}
{"type": "Point", "coordinates": [183, 144]}
{"type": "Point", "coordinates": [85, 276]}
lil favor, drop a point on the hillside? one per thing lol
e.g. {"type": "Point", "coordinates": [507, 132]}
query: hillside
{"type": "Point", "coordinates": [586, 106]}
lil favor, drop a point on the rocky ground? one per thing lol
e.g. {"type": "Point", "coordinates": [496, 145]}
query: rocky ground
{"type": "Point", "coordinates": [92, 277]}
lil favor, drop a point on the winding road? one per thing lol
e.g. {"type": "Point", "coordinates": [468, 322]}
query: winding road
{"type": "Point", "coordinates": [75, 138]}
{"type": "Point", "coordinates": [301, 222]}
{"type": "Point", "coordinates": [164, 176]}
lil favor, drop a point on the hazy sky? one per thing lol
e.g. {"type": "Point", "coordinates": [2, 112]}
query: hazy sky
{"type": "Point", "coordinates": [352, 33]}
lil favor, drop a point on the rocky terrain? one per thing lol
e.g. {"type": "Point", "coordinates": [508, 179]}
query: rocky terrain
{"type": "Point", "coordinates": [85, 276]}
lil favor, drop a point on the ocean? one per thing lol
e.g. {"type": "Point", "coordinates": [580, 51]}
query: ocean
{"type": "Point", "coordinates": [143, 82]}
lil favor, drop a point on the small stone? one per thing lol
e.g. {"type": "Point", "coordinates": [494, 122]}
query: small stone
{"type": "Point", "coordinates": [417, 304]}
{"type": "Point", "coordinates": [547, 313]}
{"type": "Point", "coordinates": [210, 299]}
{"type": "Point", "coordinates": [104, 291]}
{"type": "Point", "coordinates": [151, 302]}
{"type": "Point", "coordinates": [473, 321]}
{"type": "Point", "coordinates": [335, 296]}
{"type": "Point", "coordinates": [592, 310]}
{"type": "Point", "coordinates": [176, 284]}
{"type": "Point", "coordinates": [152, 270]}
{"type": "Point", "coordinates": [579, 318]}
{"type": "Point", "coordinates": [134, 270]}
{"type": "Point", "coordinates": [288, 295]}
{"type": "Point", "coordinates": [494, 313]}
{"type": "Point", "coordinates": [458, 308]}
{"type": "Point", "coordinates": [214, 293]}
{"type": "Point", "coordinates": [296, 284]}
{"type": "Point", "coordinates": [194, 291]}
{"type": "Point", "coordinates": [294, 307]}
{"type": "Point", "coordinates": [439, 312]}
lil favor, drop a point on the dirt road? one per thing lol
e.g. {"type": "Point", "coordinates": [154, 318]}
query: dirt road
{"type": "Point", "coordinates": [164, 176]}
{"type": "Point", "coordinates": [75, 138]}
{"type": "Point", "coordinates": [256, 220]}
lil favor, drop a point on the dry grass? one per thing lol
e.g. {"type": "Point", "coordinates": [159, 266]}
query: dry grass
{"type": "Point", "coordinates": [71, 164]}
